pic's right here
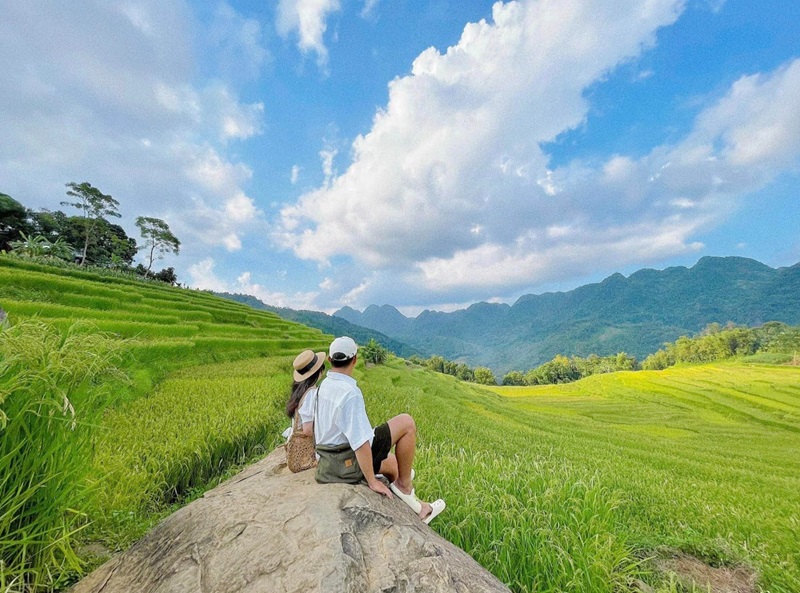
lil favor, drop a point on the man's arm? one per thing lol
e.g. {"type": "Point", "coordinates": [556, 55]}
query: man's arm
{"type": "Point", "coordinates": [364, 458]}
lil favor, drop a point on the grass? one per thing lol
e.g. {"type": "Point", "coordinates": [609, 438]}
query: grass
{"type": "Point", "coordinates": [157, 450]}
{"type": "Point", "coordinates": [552, 488]}
{"type": "Point", "coordinates": [49, 388]}
{"type": "Point", "coordinates": [167, 328]}
{"type": "Point", "coordinates": [701, 459]}
{"type": "Point", "coordinates": [133, 448]}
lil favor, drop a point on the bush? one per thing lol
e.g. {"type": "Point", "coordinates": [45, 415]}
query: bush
{"type": "Point", "coordinates": [374, 352]}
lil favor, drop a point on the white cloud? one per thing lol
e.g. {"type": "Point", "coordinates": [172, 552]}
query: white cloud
{"type": "Point", "coordinates": [308, 19]}
{"type": "Point", "coordinates": [369, 8]}
{"type": "Point", "coordinates": [203, 276]}
{"type": "Point", "coordinates": [459, 145]}
{"type": "Point", "coordinates": [757, 121]}
{"type": "Point", "coordinates": [295, 174]}
{"type": "Point", "coordinates": [326, 156]}
{"type": "Point", "coordinates": [124, 113]}
{"type": "Point", "coordinates": [459, 140]}
{"type": "Point", "coordinates": [237, 43]}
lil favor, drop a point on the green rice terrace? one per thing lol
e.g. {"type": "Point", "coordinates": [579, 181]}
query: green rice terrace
{"type": "Point", "coordinates": [153, 394]}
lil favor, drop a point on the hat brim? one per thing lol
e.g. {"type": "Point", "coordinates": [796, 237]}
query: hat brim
{"type": "Point", "coordinates": [321, 357]}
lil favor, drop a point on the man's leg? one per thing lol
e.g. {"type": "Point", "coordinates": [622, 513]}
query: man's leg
{"type": "Point", "coordinates": [389, 468]}
{"type": "Point", "coordinates": [404, 439]}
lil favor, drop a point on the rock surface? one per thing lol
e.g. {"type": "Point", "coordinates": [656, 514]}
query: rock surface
{"type": "Point", "coordinates": [270, 531]}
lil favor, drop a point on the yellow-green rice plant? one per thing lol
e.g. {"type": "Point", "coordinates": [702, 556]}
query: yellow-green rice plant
{"type": "Point", "coordinates": [48, 391]}
{"type": "Point", "coordinates": [191, 429]}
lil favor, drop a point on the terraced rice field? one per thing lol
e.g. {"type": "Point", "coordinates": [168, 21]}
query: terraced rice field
{"type": "Point", "coordinates": [171, 427]}
{"type": "Point", "coordinates": [166, 327]}
{"type": "Point", "coordinates": [552, 488]}
{"type": "Point", "coordinates": [569, 487]}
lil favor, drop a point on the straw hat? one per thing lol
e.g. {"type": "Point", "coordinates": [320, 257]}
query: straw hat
{"type": "Point", "coordinates": [307, 363]}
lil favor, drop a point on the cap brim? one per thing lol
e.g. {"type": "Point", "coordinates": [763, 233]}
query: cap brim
{"type": "Point", "coordinates": [321, 357]}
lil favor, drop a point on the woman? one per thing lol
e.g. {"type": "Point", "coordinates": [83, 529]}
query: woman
{"type": "Point", "coordinates": [308, 367]}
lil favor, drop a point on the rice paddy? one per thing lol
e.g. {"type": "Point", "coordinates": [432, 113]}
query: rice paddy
{"type": "Point", "coordinates": [552, 488]}
{"type": "Point", "coordinates": [606, 471]}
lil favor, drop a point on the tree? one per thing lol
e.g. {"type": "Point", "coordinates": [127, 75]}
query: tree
{"type": "Point", "coordinates": [13, 221]}
{"type": "Point", "coordinates": [167, 275]}
{"type": "Point", "coordinates": [95, 205]}
{"type": "Point", "coordinates": [39, 246]}
{"type": "Point", "coordinates": [484, 376]}
{"type": "Point", "coordinates": [158, 239]}
{"type": "Point", "coordinates": [514, 378]}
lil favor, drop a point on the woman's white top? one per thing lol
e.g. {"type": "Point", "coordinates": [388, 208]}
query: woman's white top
{"type": "Point", "coordinates": [306, 411]}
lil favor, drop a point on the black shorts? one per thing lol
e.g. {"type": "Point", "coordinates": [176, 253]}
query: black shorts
{"type": "Point", "coordinates": [381, 445]}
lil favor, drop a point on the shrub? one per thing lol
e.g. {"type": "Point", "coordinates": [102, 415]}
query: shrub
{"type": "Point", "coordinates": [374, 352]}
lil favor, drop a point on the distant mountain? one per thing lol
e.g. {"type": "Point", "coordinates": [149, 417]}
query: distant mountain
{"type": "Point", "coordinates": [636, 314]}
{"type": "Point", "coordinates": [334, 326]}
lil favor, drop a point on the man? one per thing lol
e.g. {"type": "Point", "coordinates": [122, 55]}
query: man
{"type": "Point", "coordinates": [343, 431]}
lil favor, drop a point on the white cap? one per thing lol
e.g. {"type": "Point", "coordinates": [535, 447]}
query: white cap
{"type": "Point", "coordinates": [342, 348]}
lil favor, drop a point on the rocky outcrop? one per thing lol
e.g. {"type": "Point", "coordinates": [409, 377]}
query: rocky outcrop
{"type": "Point", "coordinates": [270, 531]}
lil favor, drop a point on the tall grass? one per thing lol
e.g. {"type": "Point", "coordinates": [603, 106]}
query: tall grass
{"type": "Point", "coordinates": [48, 388]}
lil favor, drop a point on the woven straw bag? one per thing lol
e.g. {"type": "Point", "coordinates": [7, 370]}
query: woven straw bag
{"type": "Point", "coordinates": [300, 454]}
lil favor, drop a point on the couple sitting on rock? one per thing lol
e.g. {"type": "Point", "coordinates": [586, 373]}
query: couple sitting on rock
{"type": "Point", "coordinates": [347, 447]}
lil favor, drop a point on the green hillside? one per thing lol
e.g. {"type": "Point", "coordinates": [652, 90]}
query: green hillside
{"type": "Point", "coordinates": [580, 487]}
{"type": "Point", "coordinates": [116, 449]}
{"type": "Point", "coordinates": [166, 327]}
{"type": "Point", "coordinates": [636, 315]}
{"type": "Point", "coordinates": [569, 487]}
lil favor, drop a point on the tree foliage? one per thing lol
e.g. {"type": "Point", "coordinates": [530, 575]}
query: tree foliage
{"type": "Point", "coordinates": [95, 206]}
{"type": "Point", "coordinates": [13, 221]}
{"type": "Point", "coordinates": [719, 343]}
{"type": "Point", "coordinates": [88, 238]}
{"type": "Point", "coordinates": [485, 376]}
{"type": "Point", "coordinates": [39, 246]}
{"type": "Point", "coordinates": [158, 239]}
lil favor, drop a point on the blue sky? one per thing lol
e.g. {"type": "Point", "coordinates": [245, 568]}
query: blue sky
{"type": "Point", "coordinates": [320, 153]}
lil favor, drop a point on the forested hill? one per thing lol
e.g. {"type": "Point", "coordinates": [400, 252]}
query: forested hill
{"type": "Point", "coordinates": [335, 326]}
{"type": "Point", "coordinates": [636, 314]}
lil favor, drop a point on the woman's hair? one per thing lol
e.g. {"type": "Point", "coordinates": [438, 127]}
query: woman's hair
{"type": "Point", "coordinates": [299, 389]}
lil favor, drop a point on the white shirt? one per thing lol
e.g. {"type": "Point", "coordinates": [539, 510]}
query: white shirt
{"type": "Point", "coordinates": [341, 414]}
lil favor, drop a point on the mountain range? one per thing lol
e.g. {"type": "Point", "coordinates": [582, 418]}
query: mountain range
{"type": "Point", "coordinates": [336, 326]}
{"type": "Point", "coordinates": [634, 314]}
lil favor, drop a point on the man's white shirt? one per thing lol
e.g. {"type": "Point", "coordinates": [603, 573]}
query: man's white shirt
{"type": "Point", "coordinates": [341, 415]}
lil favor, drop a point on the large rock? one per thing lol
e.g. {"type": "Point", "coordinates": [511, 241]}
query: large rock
{"type": "Point", "coordinates": [270, 531]}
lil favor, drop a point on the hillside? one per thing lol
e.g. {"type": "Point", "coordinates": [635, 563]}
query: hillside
{"type": "Point", "coordinates": [165, 326]}
{"type": "Point", "coordinates": [336, 326]}
{"type": "Point", "coordinates": [636, 314]}
{"type": "Point", "coordinates": [555, 488]}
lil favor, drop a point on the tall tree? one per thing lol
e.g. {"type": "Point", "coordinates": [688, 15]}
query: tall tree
{"type": "Point", "coordinates": [95, 205]}
{"type": "Point", "coordinates": [158, 239]}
